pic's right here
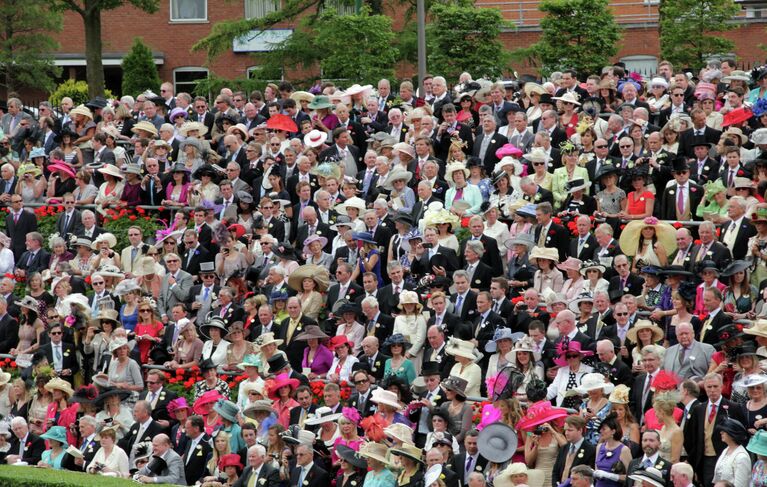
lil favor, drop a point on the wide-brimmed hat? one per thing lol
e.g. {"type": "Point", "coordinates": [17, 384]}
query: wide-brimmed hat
{"type": "Point", "coordinates": [146, 127]}
{"type": "Point", "coordinates": [146, 266]}
{"type": "Point", "coordinates": [57, 384]}
{"type": "Point", "coordinates": [383, 396]}
{"type": "Point", "coordinates": [537, 154]}
{"type": "Point", "coordinates": [116, 344]}
{"type": "Point", "coordinates": [665, 233]}
{"type": "Point", "coordinates": [606, 170]}
{"type": "Point", "coordinates": [649, 476]}
{"type": "Point", "coordinates": [350, 456]}
{"type": "Point", "coordinates": [110, 315]}
{"type": "Point", "coordinates": [758, 443]}
{"type": "Point", "coordinates": [758, 328]}
{"type": "Point", "coordinates": [282, 380]}
{"type": "Point", "coordinates": [319, 102]}
{"type": "Point", "coordinates": [409, 297]}
{"type": "Point", "coordinates": [107, 237]}
{"type": "Point", "coordinates": [738, 115]}
{"type": "Point", "coordinates": [191, 127]}
{"type": "Point", "coordinates": [82, 110]}
{"type": "Point", "coordinates": [751, 380]}
{"type": "Point", "coordinates": [230, 460]}
{"type": "Point", "coordinates": [734, 428]}
{"type": "Point", "coordinates": [574, 185]}
{"type": "Point", "coordinates": [315, 138]}
{"type": "Point", "coordinates": [760, 213]}
{"type": "Point", "coordinates": [572, 347]}
{"type": "Point", "coordinates": [204, 170]}
{"type": "Point", "coordinates": [620, 394]}
{"type": "Point", "coordinates": [319, 274]}
{"type": "Point", "coordinates": [571, 264]}
{"type": "Point", "coordinates": [213, 322]}
{"type": "Point", "coordinates": [456, 384]}
{"type": "Point", "coordinates": [56, 433]}
{"type": "Point", "coordinates": [531, 88]}
{"type": "Point", "coordinates": [375, 451]}
{"type": "Point", "coordinates": [594, 381]}
{"type": "Point", "coordinates": [227, 409]}
{"type": "Point", "coordinates": [310, 332]}
{"type": "Point", "coordinates": [342, 221]}
{"type": "Point", "coordinates": [208, 397]}
{"type": "Point", "coordinates": [178, 404]}
{"type": "Point", "coordinates": [395, 339]}
{"type": "Point", "coordinates": [109, 392]}
{"type": "Point", "coordinates": [497, 442]}
{"type": "Point", "coordinates": [300, 96]}
{"type": "Point", "coordinates": [354, 202]}
{"type": "Point", "coordinates": [568, 97]}
{"type": "Point", "coordinates": [322, 415]}
{"type": "Point", "coordinates": [525, 239]}
{"type": "Point", "coordinates": [549, 253]}
{"type": "Point", "coordinates": [399, 432]}
{"type": "Point", "coordinates": [454, 167]}
{"type": "Point", "coordinates": [396, 174]}
{"type": "Point", "coordinates": [735, 132]}
{"type": "Point", "coordinates": [584, 297]}
{"type": "Point", "coordinates": [126, 286]}
{"type": "Point", "coordinates": [364, 237]}
{"type": "Point", "coordinates": [267, 339]}
{"type": "Point", "coordinates": [462, 348]}
{"type": "Point", "coordinates": [657, 332]}
{"type": "Point", "coordinates": [676, 270]}
{"type": "Point", "coordinates": [262, 405]}
{"type": "Point", "coordinates": [29, 303]}
{"type": "Point", "coordinates": [406, 450]}
{"type": "Point", "coordinates": [111, 170]}
{"type": "Point", "coordinates": [591, 264]}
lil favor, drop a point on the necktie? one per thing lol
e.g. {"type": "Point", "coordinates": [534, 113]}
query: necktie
{"type": "Point", "coordinates": [623, 283]}
{"type": "Point", "coordinates": [683, 356]}
{"type": "Point", "coordinates": [495, 307]}
{"type": "Point", "coordinates": [396, 290]}
{"type": "Point", "coordinates": [133, 252]}
{"type": "Point", "coordinates": [301, 476]}
{"type": "Point", "coordinates": [646, 390]}
{"type": "Point", "coordinates": [647, 463]}
{"type": "Point", "coordinates": [680, 199]}
{"type": "Point", "coordinates": [712, 414]}
{"type": "Point", "coordinates": [15, 218]}
{"type": "Point", "coordinates": [205, 294]}
{"type": "Point", "coordinates": [302, 418]}
{"type": "Point", "coordinates": [84, 445]}
{"type": "Point", "coordinates": [580, 244]}
{"type": "Point", "coordinates": [730, 178]}
{"type": "Point", "coordinates": [152, 398]}
{"type": "Point", "coordinates": [57, 349]}
{"type": "Point", "coordinates": [151, 191]}
{"type": "Point", "coordinates": [371, 327]}
{"type": "Point", "coordinates": [458, 304]}
{"type": "Point", "coordinates": [66, 220]}
{"type": "Point", "coordinates": [469, 461]}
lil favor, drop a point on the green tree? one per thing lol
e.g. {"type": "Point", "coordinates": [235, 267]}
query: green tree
{"type": "Point", "coordinates": [686, 30]}
{"type": "Point", "coordinates": [90, 11]}
{"type": "Point", "coordinates": [465, 38]}
{"type": "Point", "coordinates": [139, 70]}
{"type": "Point", "coordinates": [25, 44]}
{"type": "Point", "coordinates": [578, 34]}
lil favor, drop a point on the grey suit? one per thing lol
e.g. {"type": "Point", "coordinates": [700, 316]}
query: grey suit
{"type": "Point", "coordinates": [696, 361]}
{"type": "Point", "coordinates": [171, 296]}
{"type": "Point", "coordinates": [173, 473]}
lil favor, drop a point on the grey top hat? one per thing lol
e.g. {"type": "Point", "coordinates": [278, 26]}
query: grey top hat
{"type": "Point", "coordinates": [207, 268]}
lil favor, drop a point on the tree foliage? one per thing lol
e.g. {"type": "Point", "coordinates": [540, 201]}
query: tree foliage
{"type": "Point", "coordinates": [579, 34]}
{"type": "Point", "coordinates": [76, 90]}
{"type": "Point", "coordinates": [139, 70]}
{"type": "Point", "coordinates": [90, 11]}
{"type": "Point", "coordinates": [26, 46]}
{"type": "Point", "coordinates": [465, 38]}
{"type": "Point", "coordinates": [687, 27]}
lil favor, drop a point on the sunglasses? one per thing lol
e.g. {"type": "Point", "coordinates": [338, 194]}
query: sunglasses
{"type": "Point", "coordinates": [145, 310]}
{"type": "Point", "coordinates": [602, 146]}
{"type": "Point", "coordinates": [56, 333]}
{"type": "Point", "coordinates": [625, 147]}
{"type": "Point", "coordinates": [621, 314]}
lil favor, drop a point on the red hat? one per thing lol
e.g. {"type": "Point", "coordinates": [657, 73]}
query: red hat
{"type": "Point", "coordinates": [339, 340]}
{"type": "Point", "coordinates": [237, 229]}
{"type": "Point", "coordinates": [739, 115]}
{"type": "Point", "coordinates": [278, 383]}
{"type": "Point", "coordinates": [62, 167]}
{"type": "Point", "coordinates": [572, 346]}
{"type": "Point", "coordinates": [177, 404]}
{"type": "Point", "coordinates": [539, 413]}
{"type": "Point", "coordinates": [230, 460]}
{"type": "Point", "coordinates": [210, 397]}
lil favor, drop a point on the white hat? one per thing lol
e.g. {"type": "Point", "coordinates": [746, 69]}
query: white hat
{"type": "Point", "coordinates": [353, 202]}
{"type": "Point", "coordinates": [381, 396]}
{"type": "Point", "coordinates": [315, 138]}
{"type": "Point", "coordinates": [592, 382]}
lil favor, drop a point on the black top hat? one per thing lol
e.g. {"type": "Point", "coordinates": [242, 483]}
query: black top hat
{"type": "Point", "coordinates": [207, 364]}
{"type": "Point", "coordinates": [441, 281]}
{"type": "Point", "coordinates": [97, 102]}
{"type": "Point", "coordinates": [699, 140]}
{"type": "Point", "coordinates": [430, 368]}
{"type": "Point", "coordinates": [363, 365]}
{"type": "Point", "coordinates": [157, 465]}
{"type": "Point", "coordinates": [277, 362]}
{"type": "Point", "coordinates": [546, 98]}
{"type": "Point", "coordinates": [285, 251]}
{"type": "Point", "coordinates": [676, 270]}
{"type": "Point", "coordinates": [680, 164]}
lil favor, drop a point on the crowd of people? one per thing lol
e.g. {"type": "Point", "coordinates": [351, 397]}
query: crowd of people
{"type": "Point", "coordinates": [503, 283]}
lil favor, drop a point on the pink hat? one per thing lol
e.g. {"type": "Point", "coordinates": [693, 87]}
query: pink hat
{"type": "Point", "coordinates": [571, 346]}
{"type": "Point", "coordinates": [705, 91]}
{"type": "Point", "coordinates": [508, 150]}
{"type": "Point", "coordinates": [540, 413]}
{"type": "Point", "coordinates": [62, 167]}
{"type": "Point", "coordinates": [176, 404]}
{"type": "Point", "coordinates": [210, 397]}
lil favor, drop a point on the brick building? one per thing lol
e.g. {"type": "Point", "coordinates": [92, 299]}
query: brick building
{"type": "Point", "coordinates": [180, 23]}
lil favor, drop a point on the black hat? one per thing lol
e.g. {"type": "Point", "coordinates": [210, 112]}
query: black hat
{"type": "Point", "coordinates": [96, 103]}
{"type": "Point", "coordinates": [729, 332]}
{"type": "Point", "coordinates": [430, 368]}
{"type": "Point", "coordinates": [85, 395]}
{"type": "Point", "coordinates": [350, 456]}
{"type": "Point", "coordinates": [735, 429]}
{"type": "Point", "coordinates": [108, 392]}
{"type": "Point", "coordinates": [546, 98]}
{"type": "Point", "coordinates": [606, 170]}
{"type": "Point", "coordinates": [688, 291]}
{"type": "Point", "coordinates": [680, 164]}
{"type": "Point", "coordinates": [699, 140]}
{"type": "Point", "coordinates": [228, 117]}
{"type": "Point", "coordinates": [747, 349]}
{"type": "Point", "coordinates": [676, 270]}
{"type": "Point", "coordinates": [277, 362]}
{"type": "Point", "coordinates": [363, 365]}
{"type": "Point", "coordinates": [441, 260]}
{"type": "Point", "coordinates": [707, 265]}
{"type": "Point", "coordinates": [441, 281]}
{"type": "Point", "coordinates": [285, 250]}
{"type": "Point", "coordinates": [157, 465]}
{"type": "Point", "coordinates": [404, 217]}
{"type": "Point", "coordinates": [207, 364]}
{"type": "Point", "coordinates": [66, 130]}
{"type": "Point", "coordinates": [735, 267]}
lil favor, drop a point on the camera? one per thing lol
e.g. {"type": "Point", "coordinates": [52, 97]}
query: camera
{"type": "Point", "coordinates": [522, 307]}
{"type": "Point", "coordinates": [539, 430]}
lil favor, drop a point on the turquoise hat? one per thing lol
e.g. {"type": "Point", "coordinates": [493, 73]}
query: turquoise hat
{"type": "Point", "coordinates": [227, 410]}
{"type": "Point", "coordinates": [251, 360]}
{"type": "Point", "coordinates": [56, 433]}
{"type": "Point", "coordinates": [37, 152]}
{"type": "Point", "coordinates": [758, 443]}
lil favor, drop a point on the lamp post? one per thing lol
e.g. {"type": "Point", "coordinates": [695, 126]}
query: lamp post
{"type": "Point", "coordinates": [421, 21]}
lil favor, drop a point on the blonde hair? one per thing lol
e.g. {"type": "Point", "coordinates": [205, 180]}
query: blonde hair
{"type": "Point", "coordinates": [213, 462]}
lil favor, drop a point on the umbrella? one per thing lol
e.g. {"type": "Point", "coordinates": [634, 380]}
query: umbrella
{"type": "Point", "coordinates": [281, 122]}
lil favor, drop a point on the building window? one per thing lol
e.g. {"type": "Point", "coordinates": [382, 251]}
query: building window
{"type": "Point", "coordinates": [257, 9]}
{"type": "Point", "coordinates": [647, 66]}
{"type": "Point", "coordinates": [188, 10]}
{"type": "Point", "coordinates": [342, 7]}
{"type": "Point", "coordinates": [185, 79]}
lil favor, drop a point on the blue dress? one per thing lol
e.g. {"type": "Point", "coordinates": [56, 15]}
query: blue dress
{"type": "Point", "coordinates": [129, 321]}
{"type": "Point", "coordinates": [376, 268]}
{"type": "Point", "coordinates": [55, 463]}
{"type": "Point", "coordinates": [384, 478]}
{"type": "Point", "coordinates": [605, 461]}
{"type": "Point", "coordinates": [592, 426]}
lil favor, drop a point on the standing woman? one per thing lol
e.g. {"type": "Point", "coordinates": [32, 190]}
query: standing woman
{"type": "Point", "coordinates": [177, 191]}
{"type": "Point", "coordinates": [149, 329]}
{"type": "Point", "coordinates": [124, 373]}
{"type": "Point", "coordinates": [640, 202]}
{"type": "Point", "coordinates": [611, 201]}
{"type": "Point", "coordinates": [281, 391]}
{"type": "Point", "coordinates": [466, 355]}
{"type": "Point", "coordinates": [411, 323]}
{"type": "Point", "coordinates": [740, 296]}
{"type": "Point", "coordinates": [370, 257]}
{"type": "Point", "coordinates": [610, 452]}
{"type": "Point", "coordinates": [456, 175]}
{"type": "Point", "coordinates": [547, 276]}
{"type": "Point", "coordinates": [568, 172]}
{"type": "Point", "coordinates": [734, 463]}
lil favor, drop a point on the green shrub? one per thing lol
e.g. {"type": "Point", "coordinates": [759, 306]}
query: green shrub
{"type": "Point", "coordinates": [38, 477]}
{"type": "Point", "coordinates": [139, 70]}
{"type": "Point", "coordinates": [76, 90]}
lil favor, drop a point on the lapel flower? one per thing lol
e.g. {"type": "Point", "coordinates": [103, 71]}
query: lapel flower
{"type": "Point", "coordinates": [693, 189]}
{"type": "Point", "coordinates": [262, 481]}
{"type": "Point", "coordinates": [551, 232]}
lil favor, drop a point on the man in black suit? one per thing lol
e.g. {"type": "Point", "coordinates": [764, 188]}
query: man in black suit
{"type": "Point", "coordinates": [194, 253]}
{"type": "Point", "coordinates": [434, 396]}
{"type": "Point", "coordinates": [9, 328]}
{"type": "Point", "coordinates": [651, 458]}
{"type": "Point", "coordinates": [306, 472]}
{"type": "Point", "coordinates": [290, 328]}
{"type": "Point", "coordinates": [470, 459]}
{"type": "Point", "coordinates": [464, 301]}
{"type": "Point", "coordinates": [534, 193]}
{"type": "Point", "coordinates": [88, 445]}
{"type": "Point", "coordinates": [227, 308]}
{"type": "Point", "coordinates": [344, 288]}
{"type": "Point", "coordinates": [440, 316]}
{"type": "Point", "coordinates": [716, 321]}
{"type": "Point", "coordinates": [158, 397]}
{"type": "Point", "coordinates": [479, 273]}
{"type": "Point", "coordinates": [311, 226]}
{"type": "Point", "coordinates": [372, 358]}
{"type": "Point", "coordinates": [69, 222]}
{"type": "Point", "coordinates": [641, 389]}
{"type": "Point", "coordinates": [265, 475]}
{"type": "Point", "coordinates": [343, 150]}
{"type": "Point", "coordinates": [433, 255]}
{"type": "Point", "coordinates": [144, 429]}
{"type": "Point", "coordinates": [196, 451]}
{"type": "Point", "coordinates": [630, 94]}
{"type": "Point", "coordinates": [485, 322]}
{"type": "Point", "coordinates": [549, 234]}
{"type": "Point", "coordinates": [388, 296]}
{"type": "Point", "coordinates": [449, 130]}
{"type": "Point", "coordinates": [527, 310]}
{"type": "Point", "coordinates": [736, 234]}
{"type": "Point", "coordinates": [699, 129]}
{"type": "Point", "coordinates": [202, 296]}
{"type": "Point", "coordinates": [102, 155]}
{"type": "Point", "coordinates": [549, 124]}
{"type": "Point", "coordinates": [442, 97]}
{"type": "Point", "coordinates": [491, 255]}
{"type": "Point", "coordinates": [363, 390]}
{"type": "Point", "coordinates": [575, 452]}
{"type": "Point", "coordinates": [703, 168]}
{"type": "Point", "coordinates": [202, 115]}
{"type": "Point", "coordinates": [711, 249]}
{"type": "Point", "coordinates": [702, 443]}
{"type": "Point", "coordinates": [152, 184]}
{"type": "Point", "coordinates": [620, 373]}
{"type": "Point", "coordinates": [305, 408]}
{"type": "Point", "coordinates": [434, 351]}
{"type": "Point", "coordinates": [24, 446]}
{"type": "Point", "coordinates": [36, 258]}
{"type": "Point", "coordinates": [625, 282]}
{"type": "Point", "coordinates": [8, 182]}
{"type": "Point", "coordinates": [487, 143]}
{"type": "Point", "coordinates": [582, 246]}
{"type": "Point", "coordinates": [569, 83]}
{"type": "Point", "coordinates": [377, 324]}
{"type": "Point", "coordinates": [61, 355]}
{"type": "Point", "coordinates": [18, 223]}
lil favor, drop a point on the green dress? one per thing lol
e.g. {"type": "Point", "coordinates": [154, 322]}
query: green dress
{"type": "Point", "coordinates": [406, 371]}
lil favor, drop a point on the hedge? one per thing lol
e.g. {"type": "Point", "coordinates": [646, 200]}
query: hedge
{"type": "Point", "coordinates": [40, 477]}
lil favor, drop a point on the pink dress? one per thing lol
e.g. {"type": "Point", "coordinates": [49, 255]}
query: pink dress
{"type": "Point", "coordinates": [354, 445]}
{"type": "Point", "coordinates": [283, 411]}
